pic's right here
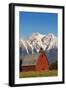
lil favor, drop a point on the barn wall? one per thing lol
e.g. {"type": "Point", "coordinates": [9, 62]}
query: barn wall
{"type": "Point", "coordinates": [28, 68]}
{"type": "Point", "coordinates": [42, 63]}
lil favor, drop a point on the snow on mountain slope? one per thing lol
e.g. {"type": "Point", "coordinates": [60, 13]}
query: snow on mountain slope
{"type": "Point", "coordinates": [53, 43]}
{"type": "Point", "coordinates": [23, 45]}
{"type": "Point", "coordinates": [37, 40]}
{"type": "Point", "coordinates": [29, 46]}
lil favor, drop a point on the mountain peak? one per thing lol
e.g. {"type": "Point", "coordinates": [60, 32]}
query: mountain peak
{"type": "Point", "coordinates": [51, 35]}
{"type": "Point", "coordinates": [36, 35]}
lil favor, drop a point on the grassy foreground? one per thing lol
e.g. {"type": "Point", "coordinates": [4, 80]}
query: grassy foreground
{"type": "Point", "coordinates": [38, 74]}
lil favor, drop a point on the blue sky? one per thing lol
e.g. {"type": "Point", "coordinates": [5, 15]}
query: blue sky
{"type": "Point", "coordinates": [31, 22]}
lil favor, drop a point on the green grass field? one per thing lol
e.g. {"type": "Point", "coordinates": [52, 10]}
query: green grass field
{"type": "Point", "coordinates": [38, 74]}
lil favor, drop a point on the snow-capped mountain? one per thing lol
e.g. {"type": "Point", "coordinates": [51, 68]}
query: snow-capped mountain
{"type": "Point", "coordinates": [37, 40]}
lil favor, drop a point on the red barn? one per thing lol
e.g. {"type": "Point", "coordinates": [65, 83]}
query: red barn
{"type": "Point", "coordinates": [34, 62]}
{"type": "Point", "coordinates": [42, 63]}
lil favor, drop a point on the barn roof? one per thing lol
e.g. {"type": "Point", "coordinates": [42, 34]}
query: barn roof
{"type": "Point", "coordinates": [29, 59]}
